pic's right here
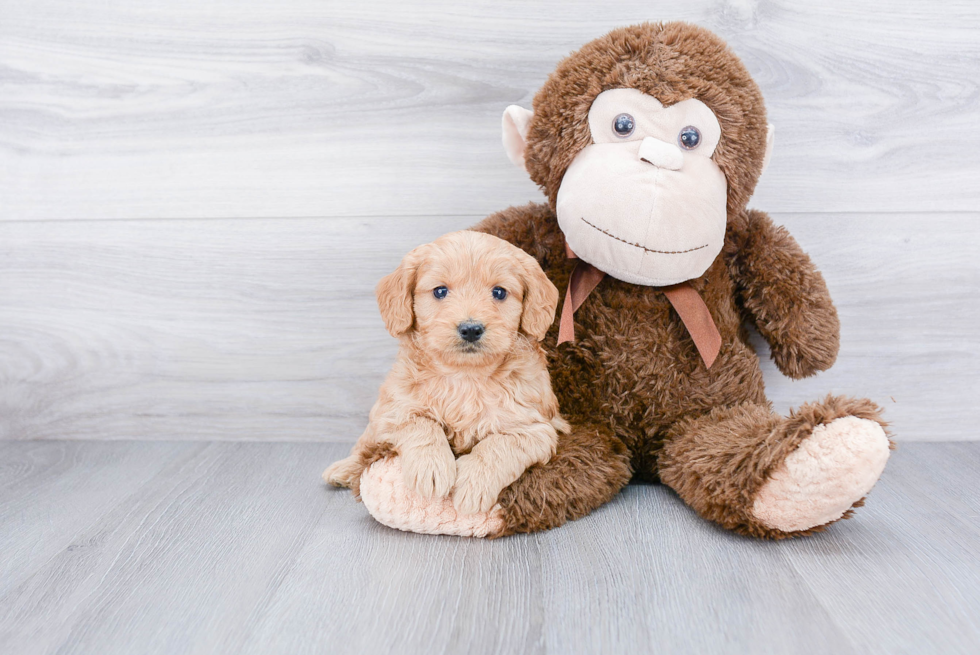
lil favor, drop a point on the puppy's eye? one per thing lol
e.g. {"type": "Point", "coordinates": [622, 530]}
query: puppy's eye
{"type": "Point", "coordinates": [499, 293]}
{"type": "Point", "coordinates": [689, 138]}
{"type": "Point", "coordinates": [623, 125]}
{"type": "Point", "coordinates": [440, 292]}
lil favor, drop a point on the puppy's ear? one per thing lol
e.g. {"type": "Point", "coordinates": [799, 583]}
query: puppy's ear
{"type": "Point", "coordinates": [396, 293]}
{"type": "Point", "coordinates": [540, 299]}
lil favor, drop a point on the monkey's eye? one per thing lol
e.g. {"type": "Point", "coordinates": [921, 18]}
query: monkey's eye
{"type": "Point", "coordinates": [440, 292]}
{"type": "Point", "coordinates": [499, 293]}
{"type": "Point", "coordinates": [689, 138]}
{"type": "Point", "coordinates": [623, 125]}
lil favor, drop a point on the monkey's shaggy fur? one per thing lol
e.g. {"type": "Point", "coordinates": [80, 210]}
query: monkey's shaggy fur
{"type": "Point", "coordinates": [633, 386]}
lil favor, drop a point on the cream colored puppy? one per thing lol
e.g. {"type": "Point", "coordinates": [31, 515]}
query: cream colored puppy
{"type": "Point", "coordinates": [470, 379]}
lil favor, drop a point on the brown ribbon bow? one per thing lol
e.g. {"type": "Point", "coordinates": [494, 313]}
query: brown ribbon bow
{"type": "Point", "coordinates": [687, 302]}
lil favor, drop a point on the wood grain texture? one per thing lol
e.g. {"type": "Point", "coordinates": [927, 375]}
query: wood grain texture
{"type": "Point", "coordinates": [302, 108]}
{"type": "Point", "coordinates": [237, 548]}
{"type": "Point", "coordinates": [268, 329]}
{"type": "Point", "coordinates": [66, 487]}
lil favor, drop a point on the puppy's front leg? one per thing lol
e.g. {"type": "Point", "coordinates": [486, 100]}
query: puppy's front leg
{"type": "Point", "coordinates": [428, 463]}
{"type": "Point", "coordinates": [496, 462]}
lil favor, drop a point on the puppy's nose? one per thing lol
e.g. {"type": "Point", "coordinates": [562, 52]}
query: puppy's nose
{"type": "Point", "coordinates": [470, 331]}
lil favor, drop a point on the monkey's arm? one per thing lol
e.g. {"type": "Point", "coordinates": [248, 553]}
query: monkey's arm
{"type": "Point", "coordinates": [784, 295]}
{"type": "Point", "coordinates": [533, 228]}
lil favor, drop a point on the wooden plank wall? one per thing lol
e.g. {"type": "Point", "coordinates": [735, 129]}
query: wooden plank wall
{"type": "Point", "coordinates": [197, 198]}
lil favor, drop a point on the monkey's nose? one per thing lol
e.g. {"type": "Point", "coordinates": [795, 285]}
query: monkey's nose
{"type": "Point", "coordinates": [661, 154]}
{"type": "Point", "coordinates": [470, 331]}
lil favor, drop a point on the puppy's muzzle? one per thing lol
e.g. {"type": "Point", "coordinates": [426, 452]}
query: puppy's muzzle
{"type": "Point", "coordinates": [470, 331]}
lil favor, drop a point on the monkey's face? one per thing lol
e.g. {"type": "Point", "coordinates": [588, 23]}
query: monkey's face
{"type": "Point", "coordinates": [645, 202]}
{"type": "Point", "coordinates": [645, 140]}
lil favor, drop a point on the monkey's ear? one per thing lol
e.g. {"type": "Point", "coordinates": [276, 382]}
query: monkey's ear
{"type": "Point", "coordinates": [540, 299]}
{"type": "Point", "coordinates": [770, 138]}
{"type": "Point", "coordinates": [396, 294]}
{"type": "Point", "coordinates": [515, 122]}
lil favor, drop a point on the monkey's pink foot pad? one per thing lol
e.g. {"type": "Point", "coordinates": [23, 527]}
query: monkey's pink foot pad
{"type": "Point", "coordinates": [830, 470]}
{"type": "Point", "coordinates": [393, 504]}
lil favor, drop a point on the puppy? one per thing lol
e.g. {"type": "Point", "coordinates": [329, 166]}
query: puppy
{"type": "Point", "coordinates": [470, 380]}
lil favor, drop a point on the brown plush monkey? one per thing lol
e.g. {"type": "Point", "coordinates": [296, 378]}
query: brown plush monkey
{"type": "Point", "coordinates": [648, 143]}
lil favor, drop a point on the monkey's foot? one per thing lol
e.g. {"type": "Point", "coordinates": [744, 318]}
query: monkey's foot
{"type": "Point", "coordinates": [393, 504]}
{"type": "Point", "coordinates": [832, 469]}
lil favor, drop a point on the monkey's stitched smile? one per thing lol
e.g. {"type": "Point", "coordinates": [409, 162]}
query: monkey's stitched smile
{"type": "Point", "coordinates": [644, 248]}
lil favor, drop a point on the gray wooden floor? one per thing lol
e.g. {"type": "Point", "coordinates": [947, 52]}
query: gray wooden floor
{"type": "Point", "coordinates": [218, 547]}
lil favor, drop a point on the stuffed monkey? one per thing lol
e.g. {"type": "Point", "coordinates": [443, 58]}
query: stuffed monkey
{"type": "Point", "coordinates": [648, 143]}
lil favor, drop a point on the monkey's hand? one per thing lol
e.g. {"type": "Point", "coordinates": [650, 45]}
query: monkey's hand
{"type": "Point", "coordinates": [784, 295]}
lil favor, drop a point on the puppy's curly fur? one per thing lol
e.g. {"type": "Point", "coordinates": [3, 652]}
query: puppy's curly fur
{"type": "Point", "coordinates": [489, 401]}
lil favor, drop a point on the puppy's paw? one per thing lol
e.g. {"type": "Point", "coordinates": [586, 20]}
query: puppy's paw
{"type": "Point", "coordinates": [393, 504]}
{"type": "Point", "coordinates": [343, 473]}
{"type": "Point", "coordinates": [429, 471]}
{"type": "Point", "coordinates": [477, 487]}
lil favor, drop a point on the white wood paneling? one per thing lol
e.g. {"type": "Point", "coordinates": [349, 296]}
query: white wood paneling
{"type": "Point", "coordinates": [268, 329]}
{"type": "Point", "coordinates": [304, 108]}
{"type": "Point", "coordinates": [318, 141]}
